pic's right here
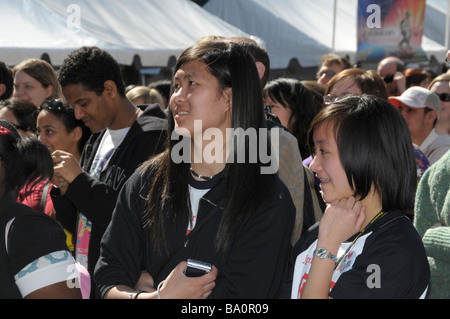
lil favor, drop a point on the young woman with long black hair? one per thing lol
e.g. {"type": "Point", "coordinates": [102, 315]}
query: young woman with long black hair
{"type": "Point", "coordinates": [237, 218]}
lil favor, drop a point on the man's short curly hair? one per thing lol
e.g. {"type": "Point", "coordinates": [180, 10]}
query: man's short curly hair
{"type": "Point", "coordinates": [91, 67]}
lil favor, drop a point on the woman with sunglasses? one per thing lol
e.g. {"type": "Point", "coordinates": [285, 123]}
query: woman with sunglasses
{"type": "Point", "coordinates": [441, 86]}
{"type": "Point", "coordinates": [21, 113]}
{"type": "Point", "coordinates": [34, 258]}
{"type": "Point", "coordinates": [58, 128]}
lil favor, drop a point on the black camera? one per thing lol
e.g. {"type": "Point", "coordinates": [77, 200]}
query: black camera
{"type": "Point", "coordinates": [195, 268]}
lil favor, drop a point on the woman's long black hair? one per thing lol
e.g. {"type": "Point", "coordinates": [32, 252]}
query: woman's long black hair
{"type": "Point", "coordinates": [25, 162]}
{"type": "Point", "coordinates": [234, 68]}
{"type": "Point", "coordinates": [292, 94]}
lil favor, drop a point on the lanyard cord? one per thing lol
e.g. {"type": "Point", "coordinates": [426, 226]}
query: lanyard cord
{"type": "Point", "coordinates": [379, 215]}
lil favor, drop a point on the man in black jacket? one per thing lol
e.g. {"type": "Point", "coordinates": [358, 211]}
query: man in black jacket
{"type": "Point", "coordinates": [123, 137]}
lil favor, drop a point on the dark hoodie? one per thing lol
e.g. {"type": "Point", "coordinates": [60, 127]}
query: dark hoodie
{"type": "Point", "coordinates": [96, 199]}
{"type": "Point", "coordinates": [252, 269]}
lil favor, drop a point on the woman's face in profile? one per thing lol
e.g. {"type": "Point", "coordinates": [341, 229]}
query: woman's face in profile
{"type": "Point", "coordinates": [53, 133]}
{"type": "Point", "coordinates": [327, 165]}
{"type": "Point", "coordinates": [197, 97]}
{"type": "Point", "coordinates": [7, 114]}
{"type": "Point", "coordinates": [282, 112]}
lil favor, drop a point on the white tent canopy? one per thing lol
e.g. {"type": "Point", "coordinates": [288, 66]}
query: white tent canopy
{"type": "Point", "coordinates": [155, 30]}
{"type": "Point", "coordinates": [437, 22]}
{"type": "Point", "coordinates": [306, 30]}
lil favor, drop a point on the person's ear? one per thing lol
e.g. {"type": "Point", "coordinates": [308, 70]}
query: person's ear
{"type": "Point", "coordinates": [2, 89]}
{"type": "Point", "coordinates": [431, 116]}
{"type": "Point", "coordinates": [110, 89]}
{"type": "Point", "coordinates": [48, 91]}
{"type": "Point", "coordinates": [77, 133]}
{"type": "Point", "coordinates": [261, 69]}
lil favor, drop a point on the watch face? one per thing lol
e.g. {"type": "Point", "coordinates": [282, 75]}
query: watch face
{"type": "Point", "coordinates": [322, 253]}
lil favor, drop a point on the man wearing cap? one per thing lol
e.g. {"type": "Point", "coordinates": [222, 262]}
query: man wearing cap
{"type": "Point", "coordinates": [421, 109]}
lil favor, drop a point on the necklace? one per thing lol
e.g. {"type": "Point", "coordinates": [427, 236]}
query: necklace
{"type": "Point", "coordinates": [379, 215]}
{"type": "Point", "coordinates": [206, 178]}
{"type": "Point", "coordinates": [133, 118]}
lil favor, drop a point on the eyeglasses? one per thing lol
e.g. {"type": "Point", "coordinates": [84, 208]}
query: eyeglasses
{"type": "Point", "coordinates": [331, 98]}
{"type": "Point", "coordinates": [329, 74]}
{"type": "Point", "coordinates": [388, 79]}
{"type": "Point", "coordinates": [444, 97]}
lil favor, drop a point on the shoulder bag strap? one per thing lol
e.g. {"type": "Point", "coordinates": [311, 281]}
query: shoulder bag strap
{"type": "Point", "coordinates": [44, 197]}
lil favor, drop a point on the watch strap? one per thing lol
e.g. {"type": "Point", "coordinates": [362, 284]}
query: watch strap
{"type": "Point", "coordinates": [323, 253]}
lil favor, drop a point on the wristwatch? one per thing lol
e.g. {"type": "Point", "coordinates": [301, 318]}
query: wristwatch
{"type": "Point", "coordinates": [323, 253]}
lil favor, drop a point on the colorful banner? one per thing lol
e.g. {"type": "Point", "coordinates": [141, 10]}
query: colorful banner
{"type": "Point", "coordinates": [390, 28]}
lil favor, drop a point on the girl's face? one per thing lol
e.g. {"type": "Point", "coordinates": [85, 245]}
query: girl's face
{"type": "Point", "coordinates": [327, 166]}
{"type": "Point", "coordinates": [7, 114]}
{"type": "Point", "coordinates": [283, 113]}
{"type": "Point", "coordinates": [28, 88]}
{"type": "Point", "coordinates": [197, 97]}
{"type": "Point", "coordinates": [53, 133]}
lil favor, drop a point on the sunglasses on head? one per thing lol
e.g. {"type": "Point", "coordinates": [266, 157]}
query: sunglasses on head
{"type": "Point", "coordinates": [444, 97]}
{"type": "Point", "coordinates": [55, 105]}
{"type": "Point", "coordinates": [388, 79]}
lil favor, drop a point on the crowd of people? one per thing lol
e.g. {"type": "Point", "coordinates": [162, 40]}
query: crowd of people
{"type": "Point", "coordinates": [95, 203]}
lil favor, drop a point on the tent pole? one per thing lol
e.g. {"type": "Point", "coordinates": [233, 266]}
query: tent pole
{"type": "Point", "coordinates": [333, 40]}
{"type": "Point", "coordinates": [447, 31]}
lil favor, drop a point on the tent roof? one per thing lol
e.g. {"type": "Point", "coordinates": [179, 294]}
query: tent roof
{"type": "Point", "coordinates": [304, 29]}
{"type": "Point", "coordinates": [153, 29]}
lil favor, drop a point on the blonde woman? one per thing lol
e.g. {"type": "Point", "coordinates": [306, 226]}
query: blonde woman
{"type": "Point", "coordinates": [441, 86]}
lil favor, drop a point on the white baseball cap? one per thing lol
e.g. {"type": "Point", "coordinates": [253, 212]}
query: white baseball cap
{"type": "Point", "coordinates": [418, 97]}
